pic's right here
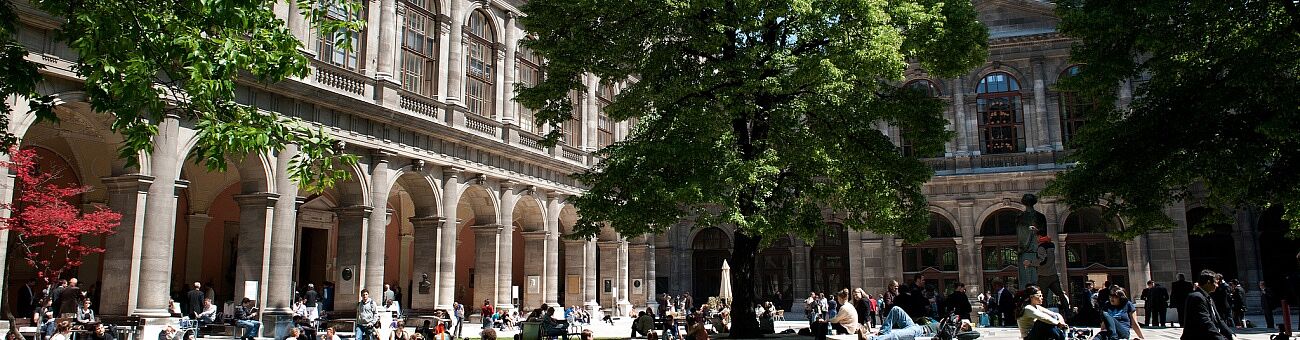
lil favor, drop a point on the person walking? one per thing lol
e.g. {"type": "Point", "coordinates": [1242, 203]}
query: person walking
{"type": "Point", "coordinates": [1202, 321]}
{"type": "Point", "coordinates": [367, 317]}
{"type": "Point", "coordinates": [1007, 305]}
{"type": "Point", "coordinates": [1179, 290]}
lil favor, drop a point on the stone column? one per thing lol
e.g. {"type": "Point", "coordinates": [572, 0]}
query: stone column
{"type": "Point", "coordinates": [487, 239]}
{"type": "Point", "coordinates": [650, 284]}
{"type": "Point", "coordinates": [352, 223]}
{"type": "Point", "coordinates": [446, 263]}
{"type": "Point", "coordinates": [802, 270]}
{"type": "Point", "coordinates": [159, 232]}
{"type": "Point", "coordinates": [962, 123]}
{"type": "Point", "coordinates": [507, 57]}
{"type": "Point", "coordinates": [194, 247]}
{"type": "Point", "coordinates": [551, 274]}
{"type": "Point", "coordinates": [455, 62]}
{"type": "Point", "coordinates": [874, 265]}
{"type": "Point", "coordinates": [255, 215]}
{"type": "Point", "coordinates": [624, 306]}
{"type": "Point", "coordinates": [6, 197]}
{"type": "Point", "coordinates": [575, 256]}
{"type": "Point", "coordinates": [425, 260]}
{"type": "Point", "coordinates": [506, 245]}
{"type": "Point", "coordinates": [1042, 137]}
{"type": "Point", "coordinates": [377, 228]}
{"type": "Point", "coordinates": [589, 117]}
{"type": "Point", "coordinates": [589, 292]}
{"type": "Point", "coordinates": [127, 196]}
{"type": "Point", "coordinates": [388, 48]}
{"type": "Point", "coordinates": [534, 245]}
{"type": "Point", "coordinates": [283, 238]}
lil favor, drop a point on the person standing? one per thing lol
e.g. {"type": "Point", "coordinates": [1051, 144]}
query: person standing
{"type": "Point", "coordinates": [194, 301]}
{"type": "Point", "coordinates": [1268, 302]}
{"type": "Point", "coordinates": [311, 299]}
{"type": "Point", "coordinates": [1179, 292]}
{"type": "Point", "coordinates": [959, 302]}
{"type": "Point", "coordinates": [27, 302]}
{"type": "Point", "coordinates": [1048, 278]}
{"type": "Point", "coordinates": [1158, 305]}
{"type": "Point", "coordinates": [459, 311]}
{"type": "Point", "coordinates": [389, 294]}
{"type": "Point", "coordinates": [486, 313]}
{"type": "Point", "coordinates": [367, 317]}
{"type": "Point", "coordinates": [1202, 320]}
{"type": "Point", "coordinates": [70, 299]}
{"type": "Point", "coordinates": [1007, 306]}
{"type": "Point", "coordinates": [1237, 298]}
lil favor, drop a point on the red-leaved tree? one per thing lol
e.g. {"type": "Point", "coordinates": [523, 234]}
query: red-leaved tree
{"type": "Point", "coordinates": [48, 227]}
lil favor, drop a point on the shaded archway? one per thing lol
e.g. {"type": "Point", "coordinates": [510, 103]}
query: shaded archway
{"type": "Point", "coordinates": [478, 215]}
{"type": "Point", "coordinates": [1090, 254]}
{"type": "Point", "coordinates": [528, 260]}
{"type": "Point", "coordinates": [1218, 237]}
{"type": "Point", "coordinates": [708, 249]}
{"type": "Point", "coordinates": [934, 258]}
{"type": "Point", "coordinates": [411, 236]}
{"type": "Point", "coordinates": [1277, 246]}
{"type": "Point", "coordinates": [774, 272]}
{"type": "Point", "coordinates": [829, 259]}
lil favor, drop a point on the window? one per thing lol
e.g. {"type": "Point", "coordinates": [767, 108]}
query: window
{"type": "Point", "coordinates": [940, 227]}
{"type": "Point", "coordinates": [420, 48]}
{"type": "Point", "coordinates": [604, 126]}
{"type": "Point", "coordinates": [916, 259]}
{"type": "Point", "coordinates": [1003, 222]}
{"type": "Point", "coordinates": [329, 45]}
{"type": "Point", "coordinates": [927, 87]}
{"type": "Point", "coordinates": [573, 126]}
{"type": "Point", "coordinates": [1072, 109]}
{"type": "Point", "coordinates": [1002, 126]}
{"type": "Point", "coordinates": [480, 55]}
{"type": "Point", "coordinates": [530, 73]}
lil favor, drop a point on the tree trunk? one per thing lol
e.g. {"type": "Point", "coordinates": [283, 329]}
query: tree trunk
{"type": "Point", "coordinates": [744, 323]}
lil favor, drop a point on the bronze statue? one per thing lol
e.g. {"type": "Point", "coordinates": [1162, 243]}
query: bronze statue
{"type": "Point", "coordinates": [1026, 233]}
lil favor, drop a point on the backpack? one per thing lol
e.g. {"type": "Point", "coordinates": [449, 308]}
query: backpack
{"type": "Point", "coordinates": [948, 327]}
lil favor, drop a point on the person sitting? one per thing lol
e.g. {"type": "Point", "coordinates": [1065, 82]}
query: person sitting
{"type": "Point", "coordinates": [329, 334]}
{"type": "Point", "coordinates": [168, 333]}
{"type": "Point", "coordinates": [63, 330]}
{"type": "Point", "coordinates": [208, 314]}
{"type": "Point", "coordinates": [551, 326]}
{"type": "Point", "coordinates": [1118, 317]}
{"type": "Point", "coordinates": [43, 317]}
{"type": "Point", "coordinates": [294, 333]}
{"type": "Point", "coordinates": [101, 333]}
{"type": "Point", "coordinates": [426, 330]}
{"type": "Point", "coordinates": [488, 334]}
{"type": "Point", "coordinates": [246, 318]}
{"type": "Point", "coordinates": [643, 324]}
{"type": "Point", "coordinates": [696, 330]}
{"type": "Point", "coordinates": [85, 315]}
{"type": "Point", "coordinates": [1037, 322]}
{"type": "Point", "coordinates": [845, 321]}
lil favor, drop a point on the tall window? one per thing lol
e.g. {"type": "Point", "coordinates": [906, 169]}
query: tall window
{"type": "Point", "coordinates": [927, 87]}
{"type": "Point", "coordinates": [1072, 109]}
{"type": "Point", "coordinates": [480, 55]}
{"type": "Point", "coordinates": [1089, 252]}
{"type": "Point", "coordinates": [573, 126]}
{"type": "Point", "coordinates": [530, 73]}
{"type": "Point", "coordinates": [330, 44]}
{"type": "Point", "coordinates": [1002, 126]}
{"type": "Point", "coordinates": [420, 48]}
{"type": "Point", "coordinates": [604, 125]}
{"type": "Point", "coordinates": [935, 258]}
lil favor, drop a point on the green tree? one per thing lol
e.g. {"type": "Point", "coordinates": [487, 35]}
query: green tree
{"type": "Point", "coordinates": [1214, 107]}
{"type": "Point", "coordinates": [758, 114]}
{"type": "Point", "coordinates": [143, 60]}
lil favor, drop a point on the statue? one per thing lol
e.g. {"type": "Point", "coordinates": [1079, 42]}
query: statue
{"type": "Point", "coordinates": [425, 284]}
{"type": "Point", "coordinates": [1026, 232]}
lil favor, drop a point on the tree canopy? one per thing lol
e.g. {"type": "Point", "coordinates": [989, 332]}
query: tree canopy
{"type": "Point", "coordinates": [144, 60]}
{"type": "Point", "coordinates": [1213, 115]}
{"type": "Point", "coordinates": [764, 115]}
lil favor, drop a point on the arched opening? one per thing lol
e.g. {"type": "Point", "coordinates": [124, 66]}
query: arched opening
{"type": "Point", "coordinates": [1223, 259]}
{"type": "Point", "coordinates": [480, 65]}
{"type": "Point", "coordinates": [774, 272]}
{"type": "Point", "coordinates": [1277, 247]}
{"type": "Point", "coordinates": [935, 258]}
{"type": "Point", "coordinates": [1000, 248]}
{"type": "Point", "coordinates": [477, 212]}
{"type": "Point", "coordinates": [1089, 253]}
{"type": "Point", "coordinates": [529, 251]}
{"type": "Point", "coordinates": [829, 259]}
{"type": "Point", "coordinates": [710, 247]}
{"type": "Point", "coordinates": [409, 237]}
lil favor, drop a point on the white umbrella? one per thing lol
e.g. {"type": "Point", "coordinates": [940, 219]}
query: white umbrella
{"type": "Point", "coordinates": [725, 291]}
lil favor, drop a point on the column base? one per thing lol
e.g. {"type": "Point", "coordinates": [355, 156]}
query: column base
{"type": "Point", "coordinates": [276, 324]}
{"type": "Point", "coordinates": [151, 326]}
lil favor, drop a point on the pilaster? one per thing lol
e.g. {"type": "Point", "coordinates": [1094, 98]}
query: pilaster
{"type": "Point", "coordinates": [533, 287]}
{"type": "Point", "coordinates": [352, 221]}
{"type": "Point", "coordinates": [425, 258]}
{"type": "Point", "coordinates": [127, 196]}
{"type": "Point", "coordinates": [255, 216]}
{"type": "Point", "coordinates": [487, 264]}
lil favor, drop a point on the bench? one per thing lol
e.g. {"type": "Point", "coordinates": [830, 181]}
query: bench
{"type": "Point", "coordinates": [127, 327]}
{"type": "Point", "coordinates": [532, 330]}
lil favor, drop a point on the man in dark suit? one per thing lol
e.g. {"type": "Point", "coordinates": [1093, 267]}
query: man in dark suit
{"type": "Point", "coordinates": [1180, 288]}
{"type": "Point", "coordinates": [69, 298]}
{"type": "Point", "coordinates": [1158, 305]}
{"type": "Point", "coordinates": [194, 301]}
{"type": "Point", "coordinates": [27, 302]}
{"type": "Point", "coordinates": [1007, 305]}
{"type": "Point", "coordinates": [1203, 321]}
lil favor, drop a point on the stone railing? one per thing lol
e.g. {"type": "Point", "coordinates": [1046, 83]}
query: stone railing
{"type": "Point", "coordinates": [482, 124]}
{"type": "Point", "coordinates": [531, 141]}
{"type": "Point", "coordinates": [572, 153]}
{"type": "Point", "coordinates": [998, 162]}
{"type": "Point", "coordinates": [339, 78]}
{"type": "Point", "coordinates": [420, 105]}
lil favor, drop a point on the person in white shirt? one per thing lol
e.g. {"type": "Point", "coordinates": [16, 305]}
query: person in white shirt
{"type": "Point", "coordinates": [846, 319]}
{"type": "Point", "coordinates": [1037, 322]}
{"type": "Point", "coordinates": [209, 312]}
{"type": "Point", "coordinates": [329, 334]}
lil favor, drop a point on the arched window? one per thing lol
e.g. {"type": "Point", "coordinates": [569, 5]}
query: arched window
{"type": "Point", "coordinates": [573, 126]}
{"type": "Point", "coordinates": [940, 227]}
{"type": "Point", "coordinates": [1089, 251]}
{"type": "Point", "coordinates": [420, 48]}
{"type": "Point", "coordinates": [604, 125]}
{"type": "Point", "coordinates": [530, 73]}
{"type": "Point", "coordinates": [329, 45]}
{"type": "Point", "coordinates": [935, 258]}
{"type": "Point", "coordinates": [1002, 126]}
{"type": "Point", "coordinates": [1072, 109]}
{"type": "Point", "coordinates": [927, 87]}
{"type": "Point", "coordinates": [1001, 223]}
{"type": "Point", "coordinates": [480, 59]}
{"type": "Point", "coordinates": [1000, 247]}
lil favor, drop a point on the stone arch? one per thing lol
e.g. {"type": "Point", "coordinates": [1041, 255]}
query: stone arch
{"type": "Point", "coordinates": [607, 233]}
{"type": "Point", "coordinates": [1086, 214]}
{"type": "Point", "coordinates": [1015, 73]}
{"type": "Point", "coordinates": [568, 218]}
{"type": "Point", "coordinates": [423, 188]}
{"type": "Point", "coordinates": [952, 219]}
{"type": "Point", "coordinates": [477, 205]}
{"type": "Point", "coordinates": [694, 232]}
{"type": "Point", "coordinates": [498, 31]}
{"type": "Point", "coordinates": [529, 214]}
{"type": "Point", "coordinates": [995, 207]}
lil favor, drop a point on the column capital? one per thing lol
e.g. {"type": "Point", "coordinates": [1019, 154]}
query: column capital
{"type": "Point", "coordinates": [429, 221]}
{"type": "Point", "coordinates": [510, 185]}
{"type": "Point", "coordinates": [354, 211]}
{"type": "Point", "coordinates": [452, 171]}
{"type": "Point", "coordinates": [132, 182]}
{"type": "Point", "coordinates": [535, 235]}
{"type": "Point", "coordinates": [198, 220]}
{"type": "Point", "coordinates": [381, 155]}
{"type": "Point", "coordinates": [486, 229]}
{"type": "Point", "coordinates": [259, 198]}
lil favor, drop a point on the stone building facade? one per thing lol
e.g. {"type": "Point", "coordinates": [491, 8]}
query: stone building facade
{"type": "Point", "coordinates": [1012, 128]}
{"type": "Point", "coordinates": [454, 198]}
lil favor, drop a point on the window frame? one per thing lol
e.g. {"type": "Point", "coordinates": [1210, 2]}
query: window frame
{"type": "Point", "coordinates": [426, 78]}
{"type": "Point", "coordinates": [604, 125]}
{"type": "Point", "coordinates": [327, 50]}
{"type": "Point", "coordinates": [528, 66]}
{"type": "Point", "coordinates": [480, 51]}
{"type": "Point", "coordinates": [1071, 108]}
{"type": "Point", "coordinates": [985, 99]}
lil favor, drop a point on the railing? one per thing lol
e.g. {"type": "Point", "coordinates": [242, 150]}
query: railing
{"type": "Point", "coordinates": [481, 124]}
{"type": "Point", "coordinates": [339, 78]}
{"type": "Point", "coordinates": [571, 153]}
{"type": "Point", "coordinates": [987, 163]}
{"type": "Point", "coordinates": [530, 141]}
{"type": "Point", "coordinates": [419, 105]}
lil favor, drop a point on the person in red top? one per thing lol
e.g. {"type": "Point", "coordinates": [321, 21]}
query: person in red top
{"type": "Point", "coordinates": [486, 313]}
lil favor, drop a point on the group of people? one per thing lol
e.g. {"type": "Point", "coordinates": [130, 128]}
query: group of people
{"type": "Point", "coordinates": [62, 300]}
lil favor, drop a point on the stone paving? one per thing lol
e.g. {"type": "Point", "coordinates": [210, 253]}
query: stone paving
{"type": "Point", "coordinates": [621, 329]}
